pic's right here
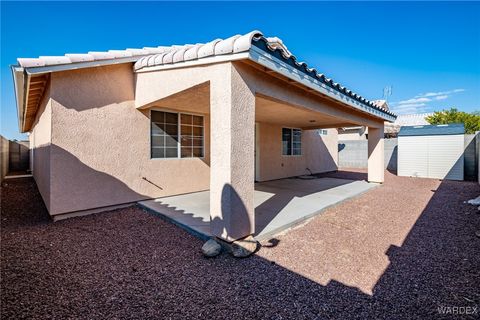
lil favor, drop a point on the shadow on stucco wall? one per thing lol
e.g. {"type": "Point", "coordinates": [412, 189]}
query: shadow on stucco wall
{"type": "Point", "coordinates": [236, 221]}
{"type": "Point", "coordinates": [71, 185]}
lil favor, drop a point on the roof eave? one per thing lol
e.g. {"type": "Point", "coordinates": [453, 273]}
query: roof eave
{"type": "Point", "coordinates": [269, 61]}
{"type": "Point", "coordinates": [79, 65]}
{"type": "Point", "coordinates": [22, 75]}
{"type": "Point", "coordinates": [19, 82]}
{"type": "Point", "coordinates": [263, 58]}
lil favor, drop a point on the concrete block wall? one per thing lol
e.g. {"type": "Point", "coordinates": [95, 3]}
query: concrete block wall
{"type": "Point", "coordinates": [4, 155]}
{"type": "Point", "coordinates": [19, 156]}
{"type": "Point", "coordinates": [471, 157]}
{"type": "Point", "coordinates": [478, 155]}
{"type": "Point", "coordinates": [354, 154]}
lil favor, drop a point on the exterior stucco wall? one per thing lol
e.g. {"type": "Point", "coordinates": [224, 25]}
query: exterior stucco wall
{"type": "Point", "coordinates": [319, 153]}
{"type": "Point", "coordinates": [101, 145]}
{"type": "Point", "coordinates": [40, 142]}
{"type": "Point", "coordinates": [92, 143]}
{"type": "Point", "coordinates": [352, 136]}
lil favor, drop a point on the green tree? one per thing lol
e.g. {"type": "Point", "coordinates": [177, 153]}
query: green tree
{"type": "Point", "coordinates": [471, 121]}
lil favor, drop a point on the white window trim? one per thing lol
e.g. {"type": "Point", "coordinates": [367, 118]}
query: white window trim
{"type": "Point", "coordinates": [179, 147]}
{"type": "Point", "coordinates": [291, 141]}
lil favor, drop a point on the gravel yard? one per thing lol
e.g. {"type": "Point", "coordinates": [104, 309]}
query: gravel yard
{"type": "Point", "coordinates": [400, 251]}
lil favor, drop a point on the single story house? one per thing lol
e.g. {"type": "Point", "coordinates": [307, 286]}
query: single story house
{"type": "Point", "coordinates": [112, 128]}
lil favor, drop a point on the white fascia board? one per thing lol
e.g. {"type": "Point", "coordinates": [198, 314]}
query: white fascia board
{"type": "Point", "coordinates": [79, 65]}
{"type": "Point", "coordinates": [193, 63]}
{"type": "Point", "coordinates": [19, 87]}
{"type": "Point", "coordinates": [263, 58]}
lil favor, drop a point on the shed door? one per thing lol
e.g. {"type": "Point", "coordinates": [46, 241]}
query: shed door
{"type": "Point", "coordinates": [438, 157]}
{"type": "Point", "coordinates": [413, 156]}
{"type": "Point", "coordinates": [445, 157]}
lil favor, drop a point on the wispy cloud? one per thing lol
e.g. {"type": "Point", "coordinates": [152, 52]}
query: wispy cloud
{"type": "Point", "coordinates": [414, 100]}
{"type": "Point", "coordinates": [420, 102]}
{"type": "Point", "coordinates": [410, 108]}
{"type": "Point", "coordinates": [440, 93]}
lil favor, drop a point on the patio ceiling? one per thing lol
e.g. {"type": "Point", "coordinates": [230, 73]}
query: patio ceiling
{"type": "Point", "coordinates": [268, 110]}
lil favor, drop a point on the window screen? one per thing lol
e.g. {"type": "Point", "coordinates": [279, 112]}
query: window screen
{"type": "Point", "coordinates": [175, 135]}
{"type": "Point", "coordinates": [291, 142]}
{"type": "Point", "coordinates": [164, 140]}
{"type": "Point", "coordinates": [296, 142]}
{"type": "Point", "coordinates": [286, 141]}
{"type": "Point", "coordinates": [191, 136]}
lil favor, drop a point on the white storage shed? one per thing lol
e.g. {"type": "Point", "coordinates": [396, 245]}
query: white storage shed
{"type": "Point", "coordinates": [432, 151]}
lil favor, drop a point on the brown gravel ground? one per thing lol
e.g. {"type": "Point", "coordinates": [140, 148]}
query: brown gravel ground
{"type": "Point", "coordinates": [397, 252]}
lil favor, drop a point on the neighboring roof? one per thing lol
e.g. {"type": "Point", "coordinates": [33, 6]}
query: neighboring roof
{"type": "Point", "coordinates": [412, 119]}
{"type": "Point", "coordinates": [382, 104]}
{"type": "Point", "coordinates": [407, 120]}
{"type": "Point", "coordinates": [432, 130]}
{"type": "Point", "coordinates": [268, 52]}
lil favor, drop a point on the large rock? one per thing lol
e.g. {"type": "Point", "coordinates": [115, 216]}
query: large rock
{"type": "Point", "coordinates": [211, 248]}
{"type": "Point", "coordinates": [244, 247]}
{"type": "Point", "coordinates": [475, 201]}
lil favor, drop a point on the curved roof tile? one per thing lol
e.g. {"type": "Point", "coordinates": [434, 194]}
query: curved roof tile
{"type": "Point", "coordinates": [155, 56]}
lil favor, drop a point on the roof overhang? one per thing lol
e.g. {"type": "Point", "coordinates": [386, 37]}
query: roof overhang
{"type": "Point", "coordinates": [19, 87]}
{"type": "Point", "coordinates": [275, 64]}
{"type": "Point", "coordinates": [270, 53]}
{"type": "Point", "coordinates": [22, 79]}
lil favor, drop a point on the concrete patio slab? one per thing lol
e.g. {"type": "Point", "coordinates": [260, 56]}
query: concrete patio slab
{"type": "Point", "coordinates": [279, 204]}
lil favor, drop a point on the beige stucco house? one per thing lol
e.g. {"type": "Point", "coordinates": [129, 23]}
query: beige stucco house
{"type": "Point", "coordinates": [112, 128]}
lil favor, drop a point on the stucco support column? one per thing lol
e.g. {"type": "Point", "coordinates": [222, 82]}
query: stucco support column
{"type": "Point", "coordinates": [232, 116]}
{"type": "Point", "coordinates": [376, 154]}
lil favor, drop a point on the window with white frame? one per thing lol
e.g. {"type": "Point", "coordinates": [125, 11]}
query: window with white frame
{"type": "Point", "coordinates": [176, 135]}
{"type": "Point", "coordinates": [291, 142]}
{"type": "Point", "coordinates": [322, 132]}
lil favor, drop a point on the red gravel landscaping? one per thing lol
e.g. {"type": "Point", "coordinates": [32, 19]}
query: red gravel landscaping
{"type": "Point", "coordinates": [401, 251]}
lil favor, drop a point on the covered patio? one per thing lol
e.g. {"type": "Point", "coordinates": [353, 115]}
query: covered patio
{"type": "Point", "coordinates": [250, 89]}
{"type": "Point", "coordinates": [279, 204]}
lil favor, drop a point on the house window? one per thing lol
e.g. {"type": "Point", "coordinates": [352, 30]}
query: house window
{"type": "Point", "coordinates": [175, 135]}
{"type": "Point", "coordinates": [291, 142]}
{"type": "Point", "coordinates": [191, 138]}
{"type": "Point", "coordinates": [322, 132]}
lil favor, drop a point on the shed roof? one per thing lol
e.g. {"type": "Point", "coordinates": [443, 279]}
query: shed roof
{"type": "Point", "coordinates": [432, 130]}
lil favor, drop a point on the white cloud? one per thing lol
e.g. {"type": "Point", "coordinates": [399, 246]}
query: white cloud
{"type": "Point", "coordinates": [409, 108]}
{"type": "Point", "coordinates": [420, 102]}
{"type": "Point", "coordinates": [414, 100]}
{"type": "Point", "coordinates": [406, 105]}
{"type": "Point", "coordinates": [440, 93]}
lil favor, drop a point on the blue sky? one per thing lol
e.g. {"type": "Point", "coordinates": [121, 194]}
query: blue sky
{"type": "Point", "coordinates": [428, 52]}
